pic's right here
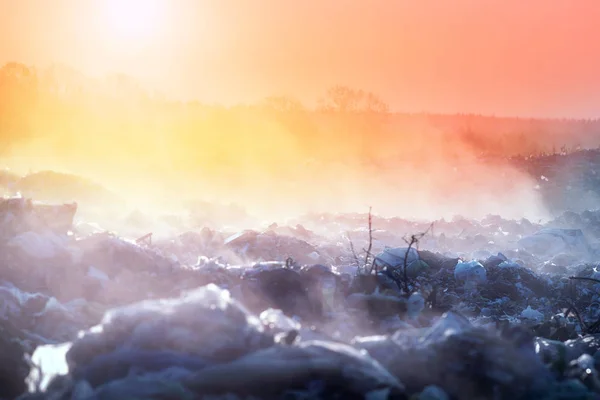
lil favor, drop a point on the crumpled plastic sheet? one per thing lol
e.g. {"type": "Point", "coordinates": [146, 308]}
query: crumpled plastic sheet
{"type": "Point", "coordinates": [203, 342]}
{"type": "Point", "coordinates": [468, 362]}
{"type": "Point", "coordinates": [553, 241]}
{"type": "Point", "coordinates": [268, 245]}
{"type": "Point", "coordinates": [132, 354]}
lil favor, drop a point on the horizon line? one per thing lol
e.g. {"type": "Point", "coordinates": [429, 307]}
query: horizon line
{"type": "Point", "coordinates": [156, 93]}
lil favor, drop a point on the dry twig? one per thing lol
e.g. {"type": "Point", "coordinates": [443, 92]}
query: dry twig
{"type": "Point", "coordinates": [368, 251]}
{"type": "Point", "coordinates": [353, 251]}
{"type": "Point", "coordinates": [575, 311]}
{"type": "Point", "coordinates": [581, 278]}
{"type": "Point", "coordinates": [369, 258]}
{"type": "Point", "coordinates": [593, 328]}
{"type": "Point", "coordinates": [414, 240]}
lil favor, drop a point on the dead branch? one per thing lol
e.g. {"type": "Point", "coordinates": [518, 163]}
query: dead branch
{"type": "Point", "coordinates": [593, 328]}
{"type": "Point", "coordinates": [372, 263]}
{"type": "Point", "coordinates": [405, 266]}
{"type": "Point", "coordinates": [368, 251]}
{"type": "Point", "coordinates": [414, 240]}
{"type": "Point", "coordinates": [373, 267]}
{"type": "Point", "coordinates": [575, 311]}
{"type": "Point", "coordinates": [353, 251]}
{"type": "Point", "coordinates": [289, 262]}
{"type": "Point", "coordinates": [580, 278]}
{"type": "Point", "coordinates": [146, 239]}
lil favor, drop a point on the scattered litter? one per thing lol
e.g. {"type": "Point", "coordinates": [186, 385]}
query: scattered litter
{"type": "Point", "coordinates": [290, 312]}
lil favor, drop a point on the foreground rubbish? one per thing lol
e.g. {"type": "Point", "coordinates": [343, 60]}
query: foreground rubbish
{"type": "Point", "coordinates": [490, 309]}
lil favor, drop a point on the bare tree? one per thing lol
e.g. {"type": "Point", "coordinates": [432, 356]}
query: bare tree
{"type": "Point", "coordinates": [368, 265]}
{"type": "Point", "coordinates": [344, 99]}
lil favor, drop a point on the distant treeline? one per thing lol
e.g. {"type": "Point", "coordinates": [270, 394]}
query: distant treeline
{"type": "Point", "coordinates": [71, 115]}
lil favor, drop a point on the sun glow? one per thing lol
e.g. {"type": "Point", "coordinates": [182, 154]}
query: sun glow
{"type": "Point", "coordinates": [134, 19]}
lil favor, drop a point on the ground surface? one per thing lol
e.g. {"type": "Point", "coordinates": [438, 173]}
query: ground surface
{"type": "Point", "coordinates": [324, 306]}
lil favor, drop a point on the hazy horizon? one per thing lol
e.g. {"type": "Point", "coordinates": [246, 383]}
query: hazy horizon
{"type": "Point", "coordinates": [507, 58]}
{"type": "Point", "coordinates": [469, 58]}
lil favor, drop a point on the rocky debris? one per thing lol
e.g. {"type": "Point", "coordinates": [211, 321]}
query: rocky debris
{"type": "Point", "coordinates": [554, 241]}
{"type": "Point", "coordinates": [202, 343]}
{"type": "Point", "coordinates": [492, 309]}
{"type": "Point", "coordinates": [189, 245]}
{"type": "Point", "coordinates": [308, 292]}
{"type": "Point", "coordinates": [19, 216]}
{"type": "Point", "coordinates": [339, 369]}
{"type": "Point", "coordinates": [112, 254]}
{"type": "Point", "coordinates": [268, 245]}
{"type": "Point", "coordinates": [466, 361]}
{"type": "Point", "coordinates": [282, 288]}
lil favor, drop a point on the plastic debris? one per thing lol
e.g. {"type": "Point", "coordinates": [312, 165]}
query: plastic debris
{"type": "Point", "coordinates": [89, 314]}
{"type": "Point", "coordinates": [470, 272]}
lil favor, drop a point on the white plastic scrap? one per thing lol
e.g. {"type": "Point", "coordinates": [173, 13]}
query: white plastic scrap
{"type": "Point", "coordinates": [531, 314]}
{"type": "Point", "coordinates": [88, 228]}
{"type": "Point", "coordinates": [235, 236]}
{"type": "Point", "coordinates": [471, 271]}
{"type": "Point", "coordinates": [49, 361]}
{"type": "Point", "coordinates": [553, 241]}
{"type": "Point", "coordinates": [586, 362]}
{"type": "Point", "coordinates": [368, 339]}
{"type": "Point", "coordinates": [278, 319]}
{"type": "Point", "coordinates": [509, 264]}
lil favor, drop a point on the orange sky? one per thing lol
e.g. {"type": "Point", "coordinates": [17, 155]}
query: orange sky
{"type": "Point", "coordinates": [503, 57]}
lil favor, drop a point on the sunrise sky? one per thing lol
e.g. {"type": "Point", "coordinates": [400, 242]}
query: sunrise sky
{"type": "Point", "coordinates": [502, 57]}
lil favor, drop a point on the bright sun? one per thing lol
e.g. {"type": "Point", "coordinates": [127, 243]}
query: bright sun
{"type": "Point", "coordinates": [134, 19]}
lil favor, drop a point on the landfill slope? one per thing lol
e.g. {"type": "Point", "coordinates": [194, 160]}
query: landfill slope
{"type": "Point", "coordinates": [459, 309]}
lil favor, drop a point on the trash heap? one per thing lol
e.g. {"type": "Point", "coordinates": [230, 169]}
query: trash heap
{"type": "Point", "coordinates": [567, 180]}
{"type": "Point", "coordinates": [487, 309]}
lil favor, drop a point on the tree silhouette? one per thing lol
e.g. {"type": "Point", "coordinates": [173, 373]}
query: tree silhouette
{"type": "Point", "coordinates": [344, 99]}
{"type": "Point", "coordinates": [80, 116]}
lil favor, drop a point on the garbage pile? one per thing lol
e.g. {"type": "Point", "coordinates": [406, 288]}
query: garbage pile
{"type": "Point", "coordinates": [567, 180]}
{"type": "Point", "coordinates": [487, 309]}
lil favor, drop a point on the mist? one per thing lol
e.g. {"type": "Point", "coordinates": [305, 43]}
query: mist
{"type": "Point", "coordinates": [277, 158]}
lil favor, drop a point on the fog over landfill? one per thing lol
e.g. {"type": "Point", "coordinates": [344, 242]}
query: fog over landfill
{"type": "Point", "coordinates": [323, 200]}
{"type": "Point", "coordinates": [121, 120]}
{"type": "Point", "coordinates": [278, 158]}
